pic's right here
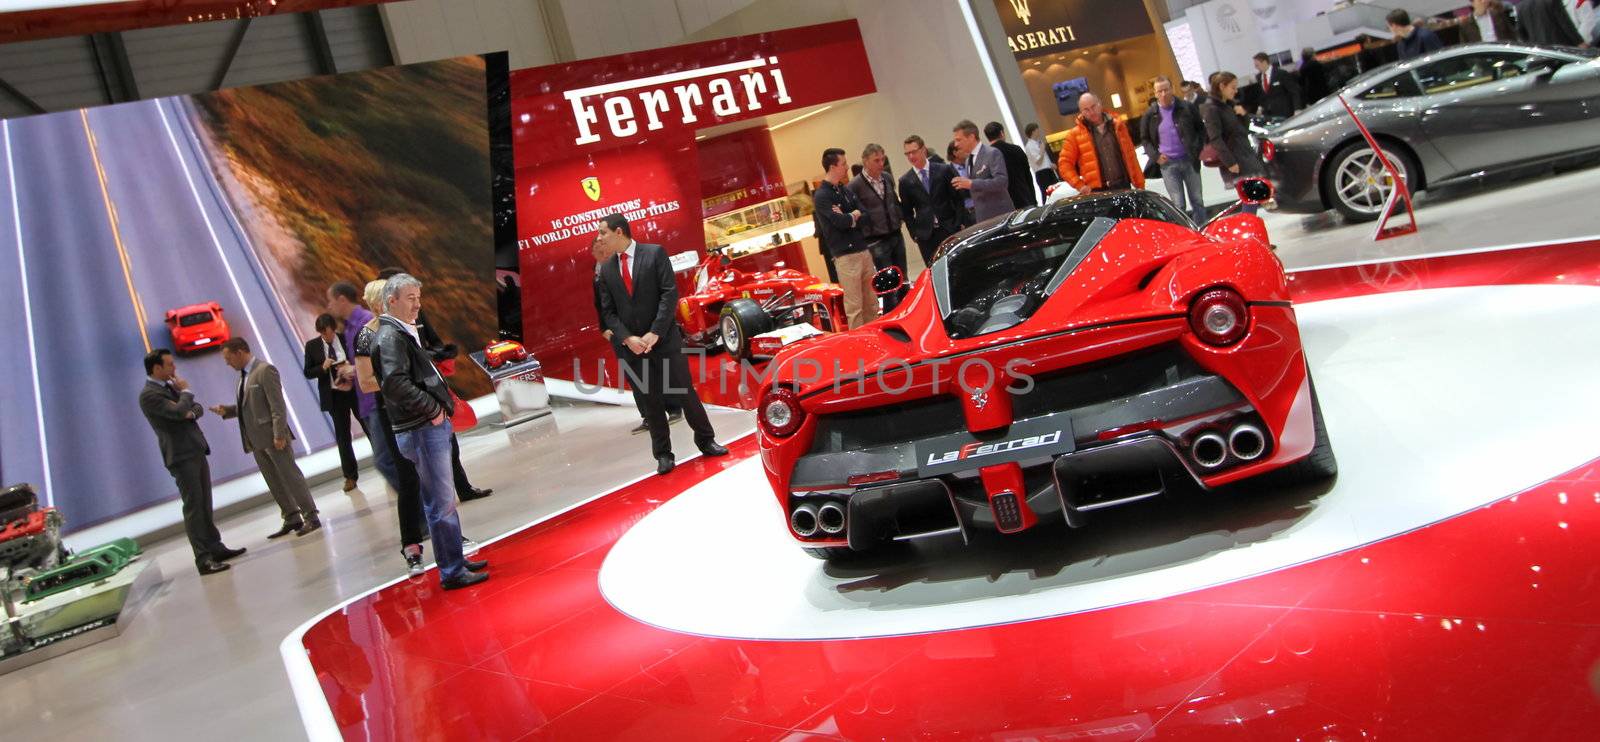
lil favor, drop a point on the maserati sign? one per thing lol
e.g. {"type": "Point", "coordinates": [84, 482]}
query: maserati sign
{"type": "Point", "coordinates": [1064, 25]}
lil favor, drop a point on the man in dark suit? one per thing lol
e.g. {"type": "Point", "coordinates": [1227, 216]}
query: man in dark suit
{"type": "Point", "coordinates": [639, 304]}
{"type": "Point", "coordinates": [928, 205]}
{"type": "Point", "coordinates": [1547, 22]}
{"type": "Point", "coordinates": [1313, 77]}
{"type": "Point", "coordinates": [329, 364]}
{"type": "Point", "coordinates": [1017, 168]}
{"type": "Point", "coordinates": [674, 403]}
{"type": "Point", "coordinates": [170, 408]}
{"type": "Point", "coordinates": [880, 217]}
{"type": "Point", "coordinates": [1280, 91]}
{"type": "Point", "coordinates": [987, 176]}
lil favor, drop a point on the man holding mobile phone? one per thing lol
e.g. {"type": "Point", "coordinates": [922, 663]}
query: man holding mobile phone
{"type": "Point", "coordinates": [328, 364]}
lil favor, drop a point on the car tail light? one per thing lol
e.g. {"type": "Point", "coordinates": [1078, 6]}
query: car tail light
{"type": "Point", "coordinates": [856, 480]}
{"type": "Point", "coordinates": [1219, 317]}
{"type": "Point", "coordinates": [780, 412]}
{"type": "Point", "coordinates": [1268, 150]}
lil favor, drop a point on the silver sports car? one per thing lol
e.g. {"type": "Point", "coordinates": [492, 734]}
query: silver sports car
{"type": "Point", "coordinates": [1458, 113]}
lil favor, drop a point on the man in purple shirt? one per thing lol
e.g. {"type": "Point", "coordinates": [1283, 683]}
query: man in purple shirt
{"type": "Point", "coordinates": [1173, 135]}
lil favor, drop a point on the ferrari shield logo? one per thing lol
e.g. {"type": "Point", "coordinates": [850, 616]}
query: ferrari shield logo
{"type": "Point", "coordinates": [591, 188]}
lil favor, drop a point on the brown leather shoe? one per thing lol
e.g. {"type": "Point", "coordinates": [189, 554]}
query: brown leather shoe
{"type": "Point", "coordinates": [349, 484]}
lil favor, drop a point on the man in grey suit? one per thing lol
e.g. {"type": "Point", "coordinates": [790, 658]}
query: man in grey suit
{"type": "Point", "coordinates": [264, 428]}
{"type": "Point", "coordinates": [988, 180]}
{"type": "Point", "coordinates": [170, 408]}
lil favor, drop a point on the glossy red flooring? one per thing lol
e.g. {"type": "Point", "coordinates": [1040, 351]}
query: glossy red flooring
{"type": "Point", "coordinates": [1482, 627]}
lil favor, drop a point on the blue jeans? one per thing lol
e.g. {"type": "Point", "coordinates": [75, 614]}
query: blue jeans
{"type": "Point", "coordinates": [1183, 187]}
{"type": "Point", "coordinates": [429, 448]}
{"type": "Point", "coordinates": [382, 455]}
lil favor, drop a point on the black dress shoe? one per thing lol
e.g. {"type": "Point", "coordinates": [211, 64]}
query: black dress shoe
{"type": "Point", "coordinates": [210, 566]}
{"type": "Point", "coordinates": [477, 566]}
{"type": "Point", "coordinates": [675, 416]}
{"type": "Point", "coordinates": [227, 553]}
{"type": "Point", "coordinates": [642, 427]}
{"type": "Point", "coordinates": [467, 580]}
{"type": "Point", "coordinates": [287, 529]}
{"type": "Point", "coordinates": [309, 526]}
{"type": "Point", "coordinates": [476, 494]}
{"type": "Point", "coordinates": [713, 448]}
{"type": "Point", "coordinates": [664, 464]}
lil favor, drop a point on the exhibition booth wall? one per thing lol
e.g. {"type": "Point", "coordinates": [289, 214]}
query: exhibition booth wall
{"type": "Point", "coordinates": [255, 199]}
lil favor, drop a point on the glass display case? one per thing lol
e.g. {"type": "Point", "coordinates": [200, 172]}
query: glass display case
{"type": "Point", "coordinates": [760, 226]}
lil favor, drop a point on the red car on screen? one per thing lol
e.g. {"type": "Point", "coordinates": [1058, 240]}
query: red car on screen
{"type": "Point", "coordinates": [504, 351]}
{"type": "Point", "coordinates": [740, 310]}
{"type": "Point", "coordinates": [197, 327]}
{"type": "Point", "coordinates": [1087, 354]}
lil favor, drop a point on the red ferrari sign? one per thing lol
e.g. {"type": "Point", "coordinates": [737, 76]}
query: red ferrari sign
{"type": "Point", "coordinates": [627, 98]}
{"type": "Point", "coordinates": [616, 135]}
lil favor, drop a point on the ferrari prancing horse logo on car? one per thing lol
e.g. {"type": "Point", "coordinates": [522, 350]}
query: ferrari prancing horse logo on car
{"type": "Point", "coordinates": [591, 188]}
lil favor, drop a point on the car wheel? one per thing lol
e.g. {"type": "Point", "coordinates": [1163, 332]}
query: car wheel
{"type": "Point", "coordinates": [741, 320]}
{"type": "Point", "coordinates": [1357, 183]}
{"type": "Point", "coordinates": [1321, 464]}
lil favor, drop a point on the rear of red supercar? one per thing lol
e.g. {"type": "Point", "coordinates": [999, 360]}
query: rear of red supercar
{"type": "Point", "coordinates": [1089, 354]}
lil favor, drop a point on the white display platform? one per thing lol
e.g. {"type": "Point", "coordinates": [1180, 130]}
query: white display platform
{"type": "Point", "coordinates": [1437, 402]}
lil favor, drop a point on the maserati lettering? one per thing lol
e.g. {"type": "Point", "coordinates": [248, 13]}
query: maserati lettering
{"type": "Point", "coordinates": [975, 449]}
{"type": "Point", "coordinates": [1038, 39]}
{"type": "Point", "coordinates": [649, 102]}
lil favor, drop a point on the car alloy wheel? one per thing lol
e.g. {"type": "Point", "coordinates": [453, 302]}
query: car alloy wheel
{"type": "Point", "coordinates": [1361, 185]}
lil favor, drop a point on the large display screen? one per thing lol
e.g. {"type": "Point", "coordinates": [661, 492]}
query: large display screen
{"type": "Point", "coordinates": [255, 199]}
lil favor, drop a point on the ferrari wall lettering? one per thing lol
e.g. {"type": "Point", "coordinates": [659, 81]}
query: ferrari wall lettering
{"type": "Point", "coordinates": [730, 90]}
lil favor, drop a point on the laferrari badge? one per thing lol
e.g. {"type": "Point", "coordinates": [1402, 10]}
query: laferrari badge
{"type": "Point", "coordinates": [591, 188]}
{"type": "Point", "coordinates": [980, 399]}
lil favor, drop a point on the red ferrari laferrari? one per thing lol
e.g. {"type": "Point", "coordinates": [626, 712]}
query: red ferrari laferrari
{"type": "Point", "coordinates": [1087, 354]}
{"type": "Point", "coordinates": [197, 327]}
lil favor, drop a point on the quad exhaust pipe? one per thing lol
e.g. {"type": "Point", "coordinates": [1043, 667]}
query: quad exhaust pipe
{"type": "Point", "coordinates": [1209, 451]}
{"type": "Point", "coordinates": [804, 520]}
{"type": "Point", "coordinates": [1247, 443]}
{"type": "Point", "coordinates": [809, 519]}
{"type": "Point", "coordinates": [830, 518]}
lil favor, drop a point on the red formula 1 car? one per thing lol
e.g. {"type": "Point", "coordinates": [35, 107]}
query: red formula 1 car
{"type": "Point", "coordinates": [1082, 355]}
{"type": "Point", "coordinates": [747, 313]}
{"type": "Point", "coordinates": [501, 352]}
{"type": "Point", "coordinates": [197, 327]}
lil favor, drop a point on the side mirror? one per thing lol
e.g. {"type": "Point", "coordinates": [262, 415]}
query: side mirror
{"type": "Point", "coordinates": [1254, 191]}
{"type": "Point", "coordinates": [887, 281]}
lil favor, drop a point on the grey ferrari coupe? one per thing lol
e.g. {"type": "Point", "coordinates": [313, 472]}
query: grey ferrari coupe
{"type": "Point", "coordinates": [1457, 113]}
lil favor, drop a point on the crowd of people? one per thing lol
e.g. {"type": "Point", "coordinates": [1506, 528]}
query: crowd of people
{"type": "Point", "coordinates": [374, 356]}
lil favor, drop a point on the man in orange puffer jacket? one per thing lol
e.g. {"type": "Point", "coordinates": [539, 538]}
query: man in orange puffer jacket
{"type": "Point", "coordinates": [1098, 153]}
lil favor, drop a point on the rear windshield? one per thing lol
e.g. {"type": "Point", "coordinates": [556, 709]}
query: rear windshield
{"type": "Point", "coordinates": [190, 320]}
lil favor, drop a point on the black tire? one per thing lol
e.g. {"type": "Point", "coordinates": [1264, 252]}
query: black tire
{"type": "Point", "coordinates": [1321, 465]}
{"type": "Point", "coordinates": [741, 320]}
{"type": "Point", "coordinates": [1359, 206]}
{"type": "Point", "coordinates": [829, 553]}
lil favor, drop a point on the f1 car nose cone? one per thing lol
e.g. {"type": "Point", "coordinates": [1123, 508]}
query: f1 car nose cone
{"type": "Point", "coordinates": [1412, 431]}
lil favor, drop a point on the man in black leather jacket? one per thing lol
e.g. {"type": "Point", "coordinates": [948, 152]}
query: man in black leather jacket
{"type": "Point", "coordinates": [419, 406]}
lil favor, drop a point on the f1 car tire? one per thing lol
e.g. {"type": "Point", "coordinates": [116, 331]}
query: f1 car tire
{"type": "Point", "coordinates": [1342, 180]}
{"type": "Point", "coordinates": [741, 320]}
{"type": "Point", "coordinates": [1321, 464]}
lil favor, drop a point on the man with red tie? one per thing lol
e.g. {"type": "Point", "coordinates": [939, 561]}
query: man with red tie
{"type": "Point", "coordinates": [1280, 92]}
{"type": "Point", "coordinates": [638, 304]}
